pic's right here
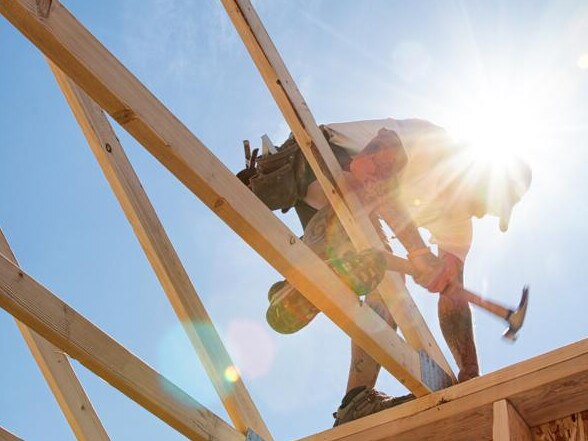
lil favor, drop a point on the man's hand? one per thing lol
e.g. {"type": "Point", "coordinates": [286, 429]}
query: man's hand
{"type": "Point", "coordinates": [450, 273]}
{"type": "Point", "coordinates": [434, 273]}
{"type": "Point", "coordinates": [427, 265]}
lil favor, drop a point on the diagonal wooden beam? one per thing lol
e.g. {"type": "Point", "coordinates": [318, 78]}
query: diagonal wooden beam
{"type": "Point", "coordinates": [161, 254]}
{"type": "Point", "coordinates": [5, 435]}
{"type": "Point", "coordinates": [61, 378]}
{"type": "Point", "coordinates": [83, 59]}
{"type": "Point", "coordinates": [36, 307]}
{"type": "Point", "coordinates": [325, 166]}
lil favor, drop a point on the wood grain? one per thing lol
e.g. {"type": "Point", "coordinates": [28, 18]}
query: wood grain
{"type": "Point", "coordinates": [570, 428]}
{"type": "Point", "coordinates": [329, 174]}
{"type": "Point", "coordinates": [549, 386]}
{"type": "Point", "coordinates": [95, 70]}
{"type": "Point", "coordinates": [508, 425]}
{"type": "Point", "coordinates": [5, 435]}
{"type": "Point", "coordinates": [60, 377]}
{"type": "Point", "coordinates": [37, 308]}
{"type": "Point", "coordinates": [163, 258]}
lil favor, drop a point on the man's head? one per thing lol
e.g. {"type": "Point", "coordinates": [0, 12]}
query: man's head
{"type": "Point", "coordinates": [497, 189]}
{"type": "Point", "coordinates": [379, 162]}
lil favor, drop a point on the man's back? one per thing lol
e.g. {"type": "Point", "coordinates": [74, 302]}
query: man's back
{"type": "Point", "coordinates": [427, 184]}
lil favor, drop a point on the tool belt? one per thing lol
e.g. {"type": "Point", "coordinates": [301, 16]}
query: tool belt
{"type": "Point", "coordinates": [279, 180]}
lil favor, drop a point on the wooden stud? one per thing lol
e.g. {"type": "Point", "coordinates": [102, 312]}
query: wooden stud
{"type": "Point", "coordinates": [83, 59]}
{"type": "Point", "coordinates": [328, 171]}
{"type": "Point", "coordinates": [549, 386]}
{"type": "Point", "coordinates": [61, 378]}
{"type": "Point", "coordinates": [57, 322]}
{"type": "Point", "coordinates": [508, 425]}
{"type": "Point", "coordinates": [5, 435]}
{"type": "Point", "coordinates": [161, 254]}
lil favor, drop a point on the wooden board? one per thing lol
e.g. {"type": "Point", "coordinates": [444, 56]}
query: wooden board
{"type": "Point", "coordinates": [83, 59]}
{"type": "Point", "coordinates": [571, 428]}
{"type": "Point", "coordinates": [328, 171]}
{"type": "Point", "coordinates": [61, 378]}
{"type": "Point", "coordinates": [163, 258]}
{"type": "Point", "coordinates": [5, 435]}
{"type": "Point", "coordinates": [57, 322]}
{"type": "Point", "coordinates": [546, 387]}
{"type": "Point", "coordinates": [508, 425]}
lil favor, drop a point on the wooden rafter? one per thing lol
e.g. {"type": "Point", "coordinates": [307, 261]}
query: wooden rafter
{"type": "Point", "coordinates": [5, 435]}
{"type": "Point", "coordinates": [80, 56]}
{"type": "Point", "coordinates": [61, 378]}
{"type": "Point", "coordinates": [161, 254]}
{"type": "Point", "coordinates": [36, 307]}
{"type": "Point", "coordinates": [547, 387]}
{"type": "Point", "coordinates": [328, 171]}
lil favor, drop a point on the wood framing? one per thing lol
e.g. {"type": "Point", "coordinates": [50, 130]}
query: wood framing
{"type": "Point", "coordinates": [571, 428]}
{"type": "Point", "coordinates": [61, 378]}
{"type": "Point", "coordinates": [40, 310]}
{"type": "Point", "coordinates": [328, 171]}
{"type": "Point", "coordinates": [547, 387]}
{"type": "Point", "coordinates": [507, 424]}
{"type": "Point", "coordinates": [161, 254]}
{"type": "Point", "coordinates": [80, 56]}
{"type": "Point", "coordinates": [5, 435]}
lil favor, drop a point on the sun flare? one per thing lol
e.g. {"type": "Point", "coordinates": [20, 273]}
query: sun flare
{"type": "Point", "coordinates": [497, 126]}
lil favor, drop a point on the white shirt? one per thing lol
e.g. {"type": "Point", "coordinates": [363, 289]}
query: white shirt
{"type": "Point", "coordinates": [427, 182]}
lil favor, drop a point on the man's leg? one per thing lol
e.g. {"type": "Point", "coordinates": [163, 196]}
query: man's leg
{"type": "Point", "coordinates": [455, 319]}
{"type": "Point", "coordinates": [361, 398]}
{"type": "Point", "coordinates": [364, 370]}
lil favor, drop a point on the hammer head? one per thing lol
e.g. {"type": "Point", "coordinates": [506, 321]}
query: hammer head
{"type": "Point", "coordinates": [516, 318]}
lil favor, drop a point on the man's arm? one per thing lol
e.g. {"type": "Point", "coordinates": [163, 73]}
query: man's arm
{"type": "Point", "coordinates": [452, 273]}
{"type": "Point", "coordinates": [376, 169]}
{"type": "Point", "coordinates": [429, 266]}
{"type": "Point", "coordinates": [453, 237]}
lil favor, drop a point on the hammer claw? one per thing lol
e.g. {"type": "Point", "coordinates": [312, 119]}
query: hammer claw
{"type": "Point", "coordinates": [516, 318]}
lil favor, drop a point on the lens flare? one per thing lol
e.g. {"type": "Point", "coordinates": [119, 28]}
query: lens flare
{"type": "Point", "coordinates": [232, 374]}
{"type": "Point", "coordinates": [496, 128]}
{"type": "Point", "coordinates": [178, 362]}
{"type": "Point", "coordinates": [251, 346]}
{"type": "Point", "coordinates": [583, 61]}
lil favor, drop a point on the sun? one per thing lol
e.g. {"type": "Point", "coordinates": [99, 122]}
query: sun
{"type": "Point", "coordinates": [502, 129]}
{"type": "Point", "coordinates": [500, 122]}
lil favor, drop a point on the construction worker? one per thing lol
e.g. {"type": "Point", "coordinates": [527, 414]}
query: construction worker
{"type": "Point", "coordinates": [409, 174]}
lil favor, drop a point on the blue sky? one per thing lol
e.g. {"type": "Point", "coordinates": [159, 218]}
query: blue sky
{"type": "Point", "coordinates": [500, 70]}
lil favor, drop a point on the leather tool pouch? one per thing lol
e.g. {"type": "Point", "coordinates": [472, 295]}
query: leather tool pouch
{"type": "Point", "coordinates": [278, 179]}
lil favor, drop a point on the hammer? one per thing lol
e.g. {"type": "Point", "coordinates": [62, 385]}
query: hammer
{"type": "Point", "coordinates": [514, 318]}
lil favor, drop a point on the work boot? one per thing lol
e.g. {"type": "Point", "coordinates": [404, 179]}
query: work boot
{"type": "Point", "coordinates": [289, 311]}
{"type": "Point", "coordinates": [361, 401]}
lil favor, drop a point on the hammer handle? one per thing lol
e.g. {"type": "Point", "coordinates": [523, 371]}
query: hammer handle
{"type": "Point", "coordinates": [398, 264]}
{"type": "Point", "coordinates": [492, 307]}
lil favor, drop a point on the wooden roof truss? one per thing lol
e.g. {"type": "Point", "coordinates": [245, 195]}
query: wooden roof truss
{"type": "Point", "coordinates": [94, 82]}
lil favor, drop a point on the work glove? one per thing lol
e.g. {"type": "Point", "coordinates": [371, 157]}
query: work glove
{"type": "Point", "coordinates": [434, 273]}
{"type": "Point", "coordinates": [427, 266]}
{"type": "Point", "coordinates": [449, 274]}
